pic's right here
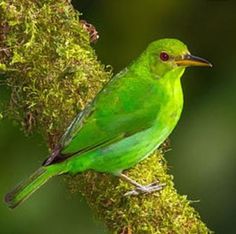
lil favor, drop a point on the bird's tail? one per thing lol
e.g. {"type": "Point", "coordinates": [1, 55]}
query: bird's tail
{"type": "Point", "coordinates": [29, 186]}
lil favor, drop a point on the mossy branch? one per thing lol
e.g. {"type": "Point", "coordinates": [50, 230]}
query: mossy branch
{"type": "Point", "coordinates": [47, 61]}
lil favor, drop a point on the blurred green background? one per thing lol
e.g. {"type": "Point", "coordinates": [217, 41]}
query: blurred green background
{"type": "Point", "coordinates": [203, 156]}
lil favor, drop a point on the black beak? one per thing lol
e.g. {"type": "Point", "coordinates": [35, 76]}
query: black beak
{"type": "Point", "coordinates": [191, 60]}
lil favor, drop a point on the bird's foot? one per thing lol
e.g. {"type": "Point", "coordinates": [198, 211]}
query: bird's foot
{"type": "Point", "coordinates": [142, 189]}
{"type": "Point", "coordinates": [145, 189]}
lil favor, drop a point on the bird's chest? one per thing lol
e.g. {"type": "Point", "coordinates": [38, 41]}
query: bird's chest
{"type": "Point", "coordinates": [171, 107]}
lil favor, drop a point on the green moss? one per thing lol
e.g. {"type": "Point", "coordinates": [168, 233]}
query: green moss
{"type": "Point", "coordinates": [55, 70]}
{"type": "Point", "coordinates": [159, 213]}
{"type": "Point", "coordinates": [48, 63]}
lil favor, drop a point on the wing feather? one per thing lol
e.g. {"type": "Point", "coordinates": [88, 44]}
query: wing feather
{"type": "Point", "coordinates": [120, 110]}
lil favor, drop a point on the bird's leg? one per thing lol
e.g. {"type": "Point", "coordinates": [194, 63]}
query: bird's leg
{"type": "Point", "coordinates": [153, 187]}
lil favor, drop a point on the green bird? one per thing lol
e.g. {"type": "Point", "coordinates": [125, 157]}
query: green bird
{"type": "Point", "coordinates": [128, 119]}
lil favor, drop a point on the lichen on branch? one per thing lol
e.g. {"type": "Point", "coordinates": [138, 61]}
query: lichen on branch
{"type": "Point", "coordinates": [52, 71]}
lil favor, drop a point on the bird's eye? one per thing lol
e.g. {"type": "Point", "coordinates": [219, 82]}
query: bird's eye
{"type": "Point", "coordinates": [164, 56]}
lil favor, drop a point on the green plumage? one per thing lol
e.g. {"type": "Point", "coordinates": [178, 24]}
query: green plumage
{"type": "Point", "coordinates": [130, 117]}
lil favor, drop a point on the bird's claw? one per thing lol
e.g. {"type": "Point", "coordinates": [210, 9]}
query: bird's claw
{"type": "Point", "coordinates": [150, 188]}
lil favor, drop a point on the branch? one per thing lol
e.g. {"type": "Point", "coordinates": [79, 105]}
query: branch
{"type": "Point", "coordinates": [47, 61]}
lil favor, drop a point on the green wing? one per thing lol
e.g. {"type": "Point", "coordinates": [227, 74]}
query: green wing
{"type": "Point", "coordinates": [124, 107]}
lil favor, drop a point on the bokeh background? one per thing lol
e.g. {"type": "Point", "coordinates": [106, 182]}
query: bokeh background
{"type": "Point", "coordinates": [203, 156]}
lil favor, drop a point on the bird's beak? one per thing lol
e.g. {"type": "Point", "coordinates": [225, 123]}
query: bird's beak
{"type": "Point", "coordinates": [191, 60]}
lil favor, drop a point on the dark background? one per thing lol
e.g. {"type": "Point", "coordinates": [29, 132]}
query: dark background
{"type": "Point", "coordinates": [203, 156]}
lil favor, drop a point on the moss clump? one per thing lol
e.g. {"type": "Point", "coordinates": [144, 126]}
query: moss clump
{"type": "Point", "coordinates": [157, 213]}
{"type": "Point", "coordinates": [51, 68]}
{"type": "Point", "coordinates": [53, 72]}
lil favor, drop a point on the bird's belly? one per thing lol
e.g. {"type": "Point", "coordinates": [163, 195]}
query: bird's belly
{"type": "Point", "coordinates": [123, 154]}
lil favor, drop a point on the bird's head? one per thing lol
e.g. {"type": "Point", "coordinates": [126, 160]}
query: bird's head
{"type": "Point", "coordinates": [168, 54]}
